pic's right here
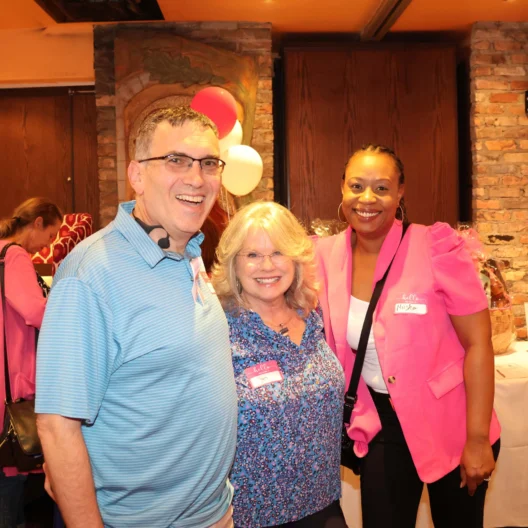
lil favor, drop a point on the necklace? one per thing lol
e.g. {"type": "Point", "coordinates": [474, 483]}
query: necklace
{"type": "Point", "coordinates": [282, 326]}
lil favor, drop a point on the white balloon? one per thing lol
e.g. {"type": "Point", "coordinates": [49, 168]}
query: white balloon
{"type": "Point", "coordinates": [243, 169]}
{"type": "Point", "coordinates": [233, 138]}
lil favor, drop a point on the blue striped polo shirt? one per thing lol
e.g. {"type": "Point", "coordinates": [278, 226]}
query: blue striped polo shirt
{"type": "Point", "coordinates": [126, 349]}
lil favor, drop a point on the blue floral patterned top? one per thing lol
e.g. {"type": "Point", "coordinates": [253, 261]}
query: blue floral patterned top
{"type": "Point", "coordinates": [288, 446]}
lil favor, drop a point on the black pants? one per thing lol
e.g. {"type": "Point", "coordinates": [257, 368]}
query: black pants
{"type": "Point", "coordinates": [391, 488]}
{"type": "Point", "coordinates": [331, 517]}
{"type": "Point", "coordinates": [11, 500]}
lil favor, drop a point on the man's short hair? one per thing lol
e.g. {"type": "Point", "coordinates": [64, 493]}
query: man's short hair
{"type": "Point", "coordinates": [175, 116]}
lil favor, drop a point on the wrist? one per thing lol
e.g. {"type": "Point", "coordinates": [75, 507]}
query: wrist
{"type": "Point", "coordinates": [477, 437]}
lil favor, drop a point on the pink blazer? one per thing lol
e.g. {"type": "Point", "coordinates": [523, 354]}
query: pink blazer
{"type": "Point", "coordinates": [25, 310]}
{"type": "Point", "coordinates": [420, 355]}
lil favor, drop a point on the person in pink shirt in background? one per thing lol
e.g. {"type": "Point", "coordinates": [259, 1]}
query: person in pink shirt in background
{"type": "Point", "coordinates": [33, 226]}
{"type": "Point", "coordinates": [424, 411]}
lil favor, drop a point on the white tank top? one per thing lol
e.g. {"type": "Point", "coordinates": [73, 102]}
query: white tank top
{"type": "Point", "coordinates": [371, 372]}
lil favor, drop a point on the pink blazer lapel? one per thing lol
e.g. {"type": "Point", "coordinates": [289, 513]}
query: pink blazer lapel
{"type": "Point", "coordinates": [388, 250]}
{"type": "Point", "coordinates": [339, 266]}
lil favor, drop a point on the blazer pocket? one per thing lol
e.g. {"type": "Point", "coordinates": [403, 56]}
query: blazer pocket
{"type": "Point", "coordinates": [446, 380]}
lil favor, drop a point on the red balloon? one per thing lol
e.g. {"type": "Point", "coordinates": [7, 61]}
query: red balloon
{"type": "Point", "coordinates": [219, 106]}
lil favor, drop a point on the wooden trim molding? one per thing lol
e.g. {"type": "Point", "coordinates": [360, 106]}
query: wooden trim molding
{"type": "Point", "coordinates": [101, 10]}
{"type": "Point", "coordinates": [383, 19]}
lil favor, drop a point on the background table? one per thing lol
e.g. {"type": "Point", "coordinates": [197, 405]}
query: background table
{"type": "Point", "coordinates": [507, 497]}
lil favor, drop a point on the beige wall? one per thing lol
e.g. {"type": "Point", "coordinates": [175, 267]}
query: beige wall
{"type": "Point", "coordinates": [57, 55]}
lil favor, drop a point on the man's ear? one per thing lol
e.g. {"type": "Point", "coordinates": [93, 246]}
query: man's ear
{"type": "Point", "coordinates": [136, 177]}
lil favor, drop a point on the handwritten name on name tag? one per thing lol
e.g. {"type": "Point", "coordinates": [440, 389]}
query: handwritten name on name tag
{"type": "Point", "coordinates": [418, 309]}
{"type": "Point", "coordinates": [263, 373]}
{"type": "Point", "coordinates": [411, 304]}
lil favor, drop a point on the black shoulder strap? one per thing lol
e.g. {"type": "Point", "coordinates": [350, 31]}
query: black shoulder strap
{"type": "Point", "coordinates": [2, 287]}
{"type": "Point", "coordinates": [351, 394]}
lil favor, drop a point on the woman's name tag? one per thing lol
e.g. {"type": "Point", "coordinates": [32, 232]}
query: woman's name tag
{"type": "Point", "coordinates": [411, 304]}
{"type": "Point", "coordinates": [263, 374]}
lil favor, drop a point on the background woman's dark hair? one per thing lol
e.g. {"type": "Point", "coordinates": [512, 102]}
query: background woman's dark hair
{"type": "Point", "coordinates": [382, 149]}
{"type": "Point", "coordinates": [27, 212]}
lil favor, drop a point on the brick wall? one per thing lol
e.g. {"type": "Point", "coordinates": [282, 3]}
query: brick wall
{"type": "Point", "coordinates": [246, 38]}
{"type": "Point", "coordinates": [499, 135]}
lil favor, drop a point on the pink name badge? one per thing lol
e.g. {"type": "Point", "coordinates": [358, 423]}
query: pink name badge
{"type": "Point", "coordinates": [411, 303]}
{"type": "Point", "coordinates": [263, 374]}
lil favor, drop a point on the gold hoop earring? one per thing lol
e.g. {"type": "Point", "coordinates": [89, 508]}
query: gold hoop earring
{"type": "Point", "coordinates": [339, 210]}
{"type": "Point", "coordinates": [402, 212]}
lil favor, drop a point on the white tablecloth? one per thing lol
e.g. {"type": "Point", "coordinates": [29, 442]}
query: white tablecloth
{"type": "Point", "coordinates": [507, 497]}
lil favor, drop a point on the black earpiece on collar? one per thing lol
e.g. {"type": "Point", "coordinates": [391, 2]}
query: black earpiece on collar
{"type": "Point", "coordinates": [164, 242]}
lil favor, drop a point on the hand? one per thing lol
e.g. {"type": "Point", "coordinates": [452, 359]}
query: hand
{"type": "Point", "coordinates": [47, 484]}
{"type": "Point", "coordinates": [477, 463]}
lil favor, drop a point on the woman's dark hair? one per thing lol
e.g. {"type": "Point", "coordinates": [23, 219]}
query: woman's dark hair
{"type": "Point", "coordinates": [382, 149]}
{"type": "Point", "coordinates": [27, 212]}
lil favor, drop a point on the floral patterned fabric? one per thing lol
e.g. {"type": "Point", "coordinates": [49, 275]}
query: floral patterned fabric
{"type": "Point", "coordinates": [288, 447]}
{"type": "Point", "coordinates": [75, 227]}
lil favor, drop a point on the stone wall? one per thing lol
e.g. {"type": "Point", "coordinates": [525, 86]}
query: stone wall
{"type": "Point", "coordinates": [245, 38]}
{"type": "Point", "coordinates": [499, 133]}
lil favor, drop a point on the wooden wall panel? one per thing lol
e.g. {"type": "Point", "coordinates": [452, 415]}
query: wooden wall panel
{"type": "Point", "coordinates": [314, 104]}
{"type": "Point", "coordinates": [35, 148]}
{"type": "Point", "coordinates": [48, 147]}
{"type": "Point", "coordinates": [339, 99]}
{"type": "Point", "coordinates": [85, 170]}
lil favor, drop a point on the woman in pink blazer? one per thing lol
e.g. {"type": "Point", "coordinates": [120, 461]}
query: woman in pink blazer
{"type": "Point", "coordinates": [33, 226]}
{"type": "Point", "coordinates": [425, 400]}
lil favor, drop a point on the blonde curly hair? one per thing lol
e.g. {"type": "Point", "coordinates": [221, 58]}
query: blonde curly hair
{"type": "Point", "coordinates": [287, 235]}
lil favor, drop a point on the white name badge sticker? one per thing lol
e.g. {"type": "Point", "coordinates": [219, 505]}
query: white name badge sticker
{"type": "Point", "coordinates": [411, 304]}
{"type": "Point", "coordinates": [263, 374]}
{"type": "Point", "coordinates": [207, 281]}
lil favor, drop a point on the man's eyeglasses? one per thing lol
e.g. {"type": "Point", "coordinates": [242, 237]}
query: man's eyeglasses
{"type": "Point", "coordinates": [257, 259]}
{"type": "Point", "coordinates": [181, 163]}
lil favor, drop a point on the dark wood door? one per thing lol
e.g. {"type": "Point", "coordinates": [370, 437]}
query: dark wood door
{"type": "Point", "coordinates": [85, 170]}
{"type": "Point", "coordinates": [48, 144]}
{"type": "Point", "coordinates": [35, 146]}
{"type": "Point", "coordinates": [401, 96]}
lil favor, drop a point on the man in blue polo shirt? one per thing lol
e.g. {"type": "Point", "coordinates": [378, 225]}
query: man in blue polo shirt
{"type": "Point", "coordinates": [136, 398]}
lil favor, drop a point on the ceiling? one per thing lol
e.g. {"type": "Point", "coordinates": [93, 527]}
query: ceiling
{"type": "Point", "coordinates": [459, 15]}
{"type": "Point", "coordinates": [23, 14]}
{"type": "Point", "coordinates": [306, 16]}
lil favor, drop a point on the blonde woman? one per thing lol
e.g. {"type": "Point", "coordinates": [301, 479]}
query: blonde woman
{"type": "Point", "coordinates": [290, 385]}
